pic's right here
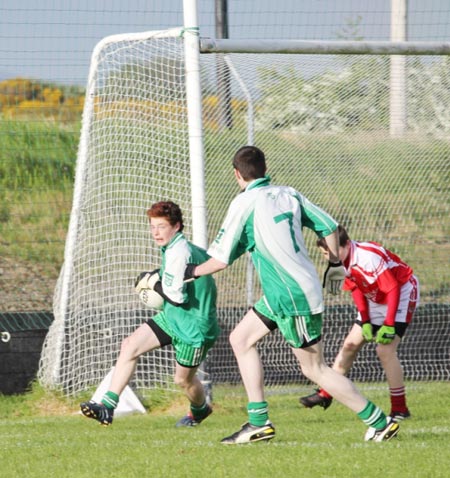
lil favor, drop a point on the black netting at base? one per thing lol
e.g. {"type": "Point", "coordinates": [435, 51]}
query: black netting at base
{"type": "Point", "coordinates": [424, 352]}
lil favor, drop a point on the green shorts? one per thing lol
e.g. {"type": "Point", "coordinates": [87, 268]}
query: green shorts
{"type": "Point", "coordinates": [185, 354]}
{"type": "Point", "coordinates": [299, 330]}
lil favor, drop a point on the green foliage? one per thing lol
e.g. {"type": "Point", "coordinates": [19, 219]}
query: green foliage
{"type": "Point", "coordinates": [308, 442]}
{"type": "Point", "coordinates": [37, 155]}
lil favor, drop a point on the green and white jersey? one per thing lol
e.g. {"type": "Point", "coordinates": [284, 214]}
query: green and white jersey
{"type": "Point", "coordinates": [195, 320]}
{"type": "Point", "coordinates": [267, 221]}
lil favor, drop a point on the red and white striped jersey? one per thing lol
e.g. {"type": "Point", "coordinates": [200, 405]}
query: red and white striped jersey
{"type": "Point", "coordinates": [374, 270]}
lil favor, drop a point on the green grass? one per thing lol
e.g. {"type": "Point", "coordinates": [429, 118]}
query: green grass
{"type": "Point", "coordinates": [308, 442]}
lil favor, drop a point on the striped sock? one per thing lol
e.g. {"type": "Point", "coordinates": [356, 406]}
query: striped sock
{"type": "Point", "coordinates": [199, 412]}
{"type": "Point", "coordinates": [258, 413]}
{"type": "Point", "coordinates": [398, 399]}
{"type": "Point", "coordinates": [110, 400]}
{"type": "Point", "coordinates": [373, 416]}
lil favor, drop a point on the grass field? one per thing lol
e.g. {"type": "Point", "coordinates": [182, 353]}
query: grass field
{"type": "Point", "coordinates": [43, 436]}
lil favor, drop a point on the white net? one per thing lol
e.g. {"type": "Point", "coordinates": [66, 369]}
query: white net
{"type": "Point", "coordinates": [324, 124]}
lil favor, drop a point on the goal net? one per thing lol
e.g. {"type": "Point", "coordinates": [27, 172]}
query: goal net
{"type": "Point", "coordinates": [327, 126]}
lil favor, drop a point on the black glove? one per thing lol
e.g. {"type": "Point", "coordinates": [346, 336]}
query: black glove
{"type": "Point", "coordinates": [334, 277]}
{"type": "Point", "coordinates": [189, 273]}
{"type": "Point", "coordinates": [146, 280]}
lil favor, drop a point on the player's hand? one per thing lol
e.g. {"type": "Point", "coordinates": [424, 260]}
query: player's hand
{"type": "Point", "coordinates": [385, 334]}
{"type": "Point", "coordinates": [334, 277]}
{"type": "Point", "coordinates": [367, 332]}
{"type": "Point", "coordinates": [189, 275]}
{"type": "Point", "coordinates": [146, 280]}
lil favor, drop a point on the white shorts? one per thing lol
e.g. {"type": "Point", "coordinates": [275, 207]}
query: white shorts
{"type": "Point", "coordinates": [409, 300]}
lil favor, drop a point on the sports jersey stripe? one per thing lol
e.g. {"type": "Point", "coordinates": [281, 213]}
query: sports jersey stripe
{"type": "Point", "coordinates": [301, 328]}
{"type": "Point", "coordinates": [321, 217]}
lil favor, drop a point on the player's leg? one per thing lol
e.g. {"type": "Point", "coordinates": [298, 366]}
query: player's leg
{"type": "Point", "coordinates": [393, 369]}
{"type": "Point", "coordinates": [311, 360]}
{"type": "Point", "coordinates": [243, 340]}
{"type": "Point", "coordinates": [343, 362]}
{"type": "Point", "coordinates": [313, 366]}
{"type": "Point", "coordinates": [142, 340]}
{"type": "Point", "coordinates": [252, 328]}
{"type": "Point", "coordinates": [353, 343]}
{"type": "Point", "coordinates": [188, 360]}
{"type": "Point", "coordinates": [388, 353]}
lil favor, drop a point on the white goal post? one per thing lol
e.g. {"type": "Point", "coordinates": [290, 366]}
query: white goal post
{"type": "Point", "coordinates": [152, 130]}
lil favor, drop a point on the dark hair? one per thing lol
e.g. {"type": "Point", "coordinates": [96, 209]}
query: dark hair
{"type": "Point", "coordinates": [168, 210]}
{"type": "Point", "coordinates": [343, 238]}
{"type": "Point", "coordinates": [250, 162]}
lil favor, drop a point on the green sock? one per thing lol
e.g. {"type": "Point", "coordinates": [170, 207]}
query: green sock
{"type": "Point", "coordinates": [199, 412]}
{"type": "Point", "coordinates": [258, 413]}
{"type": "Point", "coordinates": [110, 400]}
{"type": "Point", "coordinates": [373, 416]}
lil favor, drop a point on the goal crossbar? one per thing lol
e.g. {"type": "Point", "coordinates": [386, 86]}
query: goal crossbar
{"type": "Point", "coordinates": [211, 45]}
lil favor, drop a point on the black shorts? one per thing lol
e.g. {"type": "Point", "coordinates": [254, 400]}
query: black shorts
{"type": "Point", "coordinates": [164, 339]}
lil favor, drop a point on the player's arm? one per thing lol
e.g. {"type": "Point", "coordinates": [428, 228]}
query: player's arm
{"type": "Point", "coordinates": [158, 288]}
{"type": "Point", "coordinates": [211, 266]}
{"type": "Point", "coordinates": [230, 243]}
{"type": "Point", "coordinates": [388, 284]}
{"type": "Point", "coordinates": [335, 273]}
{"type": "Point", "coordinates": [332, 241]}
{"type": "Point", "coordinates": [172, 286]}
{"type": "Point", "coordinates": [361, 304]}
{"type": "Point", "coordinates": [316, 219]}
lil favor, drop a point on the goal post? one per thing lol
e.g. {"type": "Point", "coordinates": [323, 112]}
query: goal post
{"type": "Point", "coordinates": [133, 151]}
{"type": "Point", "coordinates": [322, 119]}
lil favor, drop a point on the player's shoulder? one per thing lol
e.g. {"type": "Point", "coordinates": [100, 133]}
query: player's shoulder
{"type": "Point", "coordinates": [366, 255]}
{"type": "Point", "coordinates": [370, 247]}
{"type": "Point", "coordinates": [179, 245]}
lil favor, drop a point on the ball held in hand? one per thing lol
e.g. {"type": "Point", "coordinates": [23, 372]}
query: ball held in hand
{"type": "Point", "coordinates": [151, 298]}
{"type": "Point", "coordinates": [146, 280]}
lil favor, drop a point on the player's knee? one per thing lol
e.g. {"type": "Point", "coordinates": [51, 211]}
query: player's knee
{"type": "Point", "coordinates": [181, 382]}
{"type": "Point", "coordinates": [128, 348]}
{"type": "Point", "coordinates": [350, 347]}
{"type": "Point", "coordinates": [236, 342]}
{"type": "Point", "coordinates": [312, 371]}
{"type": "Point", "coordinates": [386, 353]}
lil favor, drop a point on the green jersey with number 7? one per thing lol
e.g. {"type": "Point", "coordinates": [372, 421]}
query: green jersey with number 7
{"type": "Point", "coordinates": [267, 221]}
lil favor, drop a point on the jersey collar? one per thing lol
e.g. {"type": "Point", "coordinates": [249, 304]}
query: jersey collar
{"type": "Point", "coordinates": [258, 183]}
{"type": "Point", "coordinates": [178, 236]}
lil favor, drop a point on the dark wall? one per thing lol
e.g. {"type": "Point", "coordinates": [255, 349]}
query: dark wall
{"type": "Point", "coordinates": [424, 351]}
{"type": "Point", "coordinates": [19, 359]}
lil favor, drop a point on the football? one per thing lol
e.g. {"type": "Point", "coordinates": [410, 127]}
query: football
{"type": "Point", "coordinates": [151, 299]}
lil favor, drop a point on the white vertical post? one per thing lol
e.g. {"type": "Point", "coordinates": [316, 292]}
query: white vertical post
{"type": "Point", "coordinates": [397, 90]}
{"type": "Point", "coordinates": [196, 151]}
{"type": "Point", "coordinates": [194, 106]}
{"type": "Point", "coordinates": [61, 313]}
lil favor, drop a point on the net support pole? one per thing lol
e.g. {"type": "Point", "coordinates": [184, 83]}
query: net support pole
{"type": "Point", "coordinates": [398, 86]}
{"type": "Point", "coordinates": [196, 149]}
{"type": "Point", "coordinates": [317, 47]}
{"type": "Point", "coordinates": [194, 106]}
